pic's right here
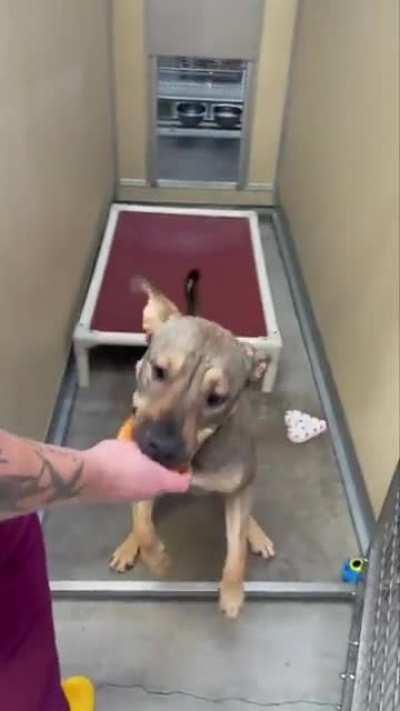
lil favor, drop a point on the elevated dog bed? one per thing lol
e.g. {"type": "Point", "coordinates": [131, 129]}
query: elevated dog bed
{"type": "Point", "coordinates": [164, 245]}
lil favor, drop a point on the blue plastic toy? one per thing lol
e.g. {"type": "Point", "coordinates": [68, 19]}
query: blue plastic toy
{"type": "Point", "coordinates": [353, 570]}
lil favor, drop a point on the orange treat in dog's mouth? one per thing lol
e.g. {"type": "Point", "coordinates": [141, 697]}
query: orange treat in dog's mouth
{"type": "Point", "coordinates": [126, 433]}
{"type": "Point", "coordinates": [184, 470]}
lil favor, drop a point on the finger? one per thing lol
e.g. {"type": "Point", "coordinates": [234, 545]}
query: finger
{"type": "Point", "coordinates": [169, 480]}
{"type": "Point", "coordinates": [176, 483]}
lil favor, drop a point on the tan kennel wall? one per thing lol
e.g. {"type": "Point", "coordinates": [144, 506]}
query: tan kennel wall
{"type": "Point", "coordinates": [56, 174]}
{"type": "Point", "coordinates": [131, 106]}
{"type": "Point", "coordinates": [339, 186]}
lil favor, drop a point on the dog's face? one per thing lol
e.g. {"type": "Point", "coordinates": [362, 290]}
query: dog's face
{"type": "Point", "coordinates": [189, 381]}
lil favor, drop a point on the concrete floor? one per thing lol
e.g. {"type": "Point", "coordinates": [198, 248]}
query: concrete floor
{"type": "Point", "coordinates": [211, 159]}
{"type": "Point", "coordinates": [185, 655]}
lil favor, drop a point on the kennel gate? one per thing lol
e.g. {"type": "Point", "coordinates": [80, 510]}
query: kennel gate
{"type": "Point", "coordinates": [372, 677]}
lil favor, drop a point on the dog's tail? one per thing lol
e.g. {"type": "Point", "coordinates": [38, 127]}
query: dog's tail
{"type": "Point", "coordinates": [192, 292]}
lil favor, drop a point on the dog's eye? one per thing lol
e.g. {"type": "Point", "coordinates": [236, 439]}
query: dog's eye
{"type": "Point", "coordinates": [159, 373]}
{"type": "Point", "coordinates": [215, 400]}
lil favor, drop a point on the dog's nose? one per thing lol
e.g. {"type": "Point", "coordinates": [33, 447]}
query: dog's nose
{"type": "Point", "coordinates": [162, 442]}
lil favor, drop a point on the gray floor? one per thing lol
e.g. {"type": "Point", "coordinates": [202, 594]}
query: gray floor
{"type": "Point", "coordinates": [184, 655]}
{"type": "Point", "coordinates": [195, 158]}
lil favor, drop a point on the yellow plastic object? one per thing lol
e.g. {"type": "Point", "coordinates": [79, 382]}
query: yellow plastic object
{"type": "Point", "coordinates": [79, 692]}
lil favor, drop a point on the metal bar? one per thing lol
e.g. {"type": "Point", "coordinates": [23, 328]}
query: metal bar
{"type": "Point", "coordinates": [235, 213]}
{"type": "Point", "coordinates": [193, 94]}
{"type": "Point", "coordinates": [260, 187]}
{"type": "Point", "coordinates": [100, 264]}
{"type": "Point", "coordinates": [132, 183]}
{"type": "Point", "coordinates": [152, 139]}
{"type": "Point", "coordinates": [348, 675]}
{"type": "Point", "coordinates": [62, 412]}
{"type": "Point", "coordinates": [172, 90]}
{"type": "Point", "coordinates": [263, 281]}
{"type": "Point", "coordinates": [247, 120]}
{"type": "Point", "coordinates": [147, 202]}
{"type": "Point", "coordinates": [196, 185]}
{"type": "Point", "coordinates": [201, 70]}
{"type": "Point", "coordinates": [380, 594]}
{"type": "Point", "coordinates": [149, 589]}
{"type": "Point", "coordinates": [358, 501]}
{"type": "Point", "coordinates": [113, 95]}
{"type": "Point", "coordinates": [218, 133]}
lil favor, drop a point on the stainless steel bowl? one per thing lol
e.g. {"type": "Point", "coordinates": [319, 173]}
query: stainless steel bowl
{"type": "Point", "coordinates": [227, 116]}
{"type": "Point", "coordinates": [190, 113]}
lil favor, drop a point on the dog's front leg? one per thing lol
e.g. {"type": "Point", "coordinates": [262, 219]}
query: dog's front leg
{"type": "Point", "coordinates": [237, 513]}
{"type": "Point", "coordinates": [151, 549]}
{"type": "Point", "coordinates": [142, 540]}
{"type": "Point", "coordinates": [125, 556]}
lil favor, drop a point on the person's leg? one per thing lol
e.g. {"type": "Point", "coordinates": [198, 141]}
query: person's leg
{"type": "Point", "coordinates": [29, 668]}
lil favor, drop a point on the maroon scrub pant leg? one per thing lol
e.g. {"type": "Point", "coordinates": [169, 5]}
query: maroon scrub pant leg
{"type": "Point", "coordinates": [29, 667]}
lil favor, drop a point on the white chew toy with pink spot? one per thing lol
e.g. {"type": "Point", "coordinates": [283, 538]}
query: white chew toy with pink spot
{"type": "Point", "coordinates": [302, 427]}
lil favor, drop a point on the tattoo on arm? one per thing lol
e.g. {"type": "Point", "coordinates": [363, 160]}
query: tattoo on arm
{"type": "Point", "coordinates": [22, 493]}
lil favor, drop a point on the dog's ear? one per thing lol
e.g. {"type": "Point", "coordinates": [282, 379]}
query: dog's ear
{"type": "Point", "coordinates": [257, 362]}
{"type": "Point", "coordinates": [158, 308]}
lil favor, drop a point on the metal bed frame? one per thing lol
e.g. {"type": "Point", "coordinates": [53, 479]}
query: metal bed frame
{"type": "Point", "coordinates": [85, 337]}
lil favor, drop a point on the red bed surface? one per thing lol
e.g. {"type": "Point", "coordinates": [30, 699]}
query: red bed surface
{"type": "Point", "coordinates": [164, 248]}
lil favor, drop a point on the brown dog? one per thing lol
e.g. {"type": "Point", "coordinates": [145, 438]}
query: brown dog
{"type": "Point", "coordinates": [191, 411]}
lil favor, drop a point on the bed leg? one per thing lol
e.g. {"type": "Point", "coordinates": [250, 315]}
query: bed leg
{"type": "Point", "coordinates": [82, 365]}
{"type": "Point", "coordinates": [272, 370]}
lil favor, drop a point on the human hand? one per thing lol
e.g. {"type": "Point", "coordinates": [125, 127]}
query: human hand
{"type": "Point", "coordinates": [118, 471]}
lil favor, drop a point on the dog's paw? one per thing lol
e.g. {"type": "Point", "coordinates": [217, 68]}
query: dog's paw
{"type": "Point", "coordinates": [265, 549]}
{"type": "Point", "coordinates": [263, 546]}
{"type": "Point", "coordinates": [124, 557]}
{"type": "Point", "coordinates": [155, 558]}
{"type": "Point", "coordinates": [231, 598]}
{"type": "Point", "coordinates": [259, 542]}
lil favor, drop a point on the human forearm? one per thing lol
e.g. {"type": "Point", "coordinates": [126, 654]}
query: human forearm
{"type": "Point", "coordinates": [35, 475]}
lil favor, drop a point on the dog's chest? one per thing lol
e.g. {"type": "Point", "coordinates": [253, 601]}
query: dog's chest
{"type": "Point", "coordinates": [224, 462]}
{"type": "Point", "coordinates": [222, 482]}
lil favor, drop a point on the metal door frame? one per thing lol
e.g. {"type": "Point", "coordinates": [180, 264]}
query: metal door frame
{"type": "Point", "coordinates": [152, 170]}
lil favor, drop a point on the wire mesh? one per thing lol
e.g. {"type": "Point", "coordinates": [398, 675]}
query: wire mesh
{"type": "Point", "coordinates": [374, 673]}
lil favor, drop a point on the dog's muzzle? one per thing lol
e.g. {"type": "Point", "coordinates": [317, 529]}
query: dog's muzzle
{"type": "Point", "coordinates": [162, 441]}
